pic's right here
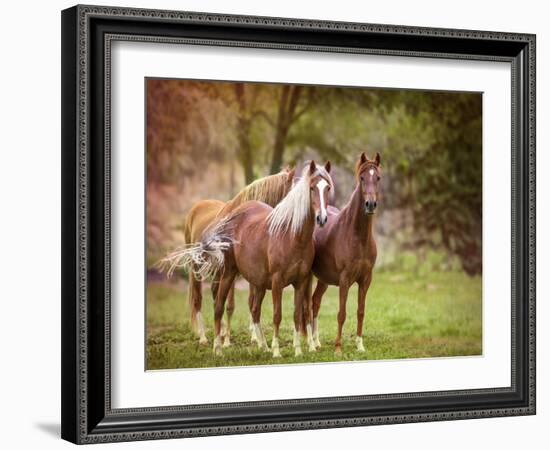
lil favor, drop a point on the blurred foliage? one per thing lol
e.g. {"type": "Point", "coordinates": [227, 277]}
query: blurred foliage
{"type": "Point", "coordinates": [430, 143]}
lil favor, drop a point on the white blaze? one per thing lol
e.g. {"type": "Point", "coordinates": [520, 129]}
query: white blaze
{"type": "Point", "coordinates": [321, 186]}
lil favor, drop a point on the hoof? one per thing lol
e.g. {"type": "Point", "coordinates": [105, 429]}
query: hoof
{"type": "Point", "coordinates": [312, 348]}
{"type": "Point", "coordinates": [276, 353]}
{"type": "Point", "coordinates": [317, 344]}
{"type": "Point", "coordinates": [226, 342]}
{"type": "Point", "coordinates": [359, 344]}
{"type": "Point", "coordinates": [297, 351]}
{"type": "Point", "coordinates": [203, 340]}
{"type": "Point", "coordinates": [338, 351]}
{"type": "Point", "coordinates": [217, 347]}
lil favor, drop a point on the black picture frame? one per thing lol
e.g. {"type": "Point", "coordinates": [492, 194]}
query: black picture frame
{"type": "Point", "coordinates": [87, 32]}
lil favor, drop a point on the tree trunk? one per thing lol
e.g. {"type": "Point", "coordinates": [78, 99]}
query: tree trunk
{"type": "Point", "coordinates": [285, 117]}
{"type": "Point", "coordinates": [278, 149]}
{"type": "Point", "coordinates": [244, 152]}
{"type": "Point", "coordinates": [246, 158]}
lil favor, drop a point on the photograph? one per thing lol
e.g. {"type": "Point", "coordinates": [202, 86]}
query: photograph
{"type": "Point", "coordinates": [302, 224]}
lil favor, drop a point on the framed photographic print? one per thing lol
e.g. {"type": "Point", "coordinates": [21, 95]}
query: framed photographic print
{"type": "Point", "coordinates": [281, 224]}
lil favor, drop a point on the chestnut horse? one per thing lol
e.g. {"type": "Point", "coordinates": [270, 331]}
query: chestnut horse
{"type": "Point", "coordinates": [271, 248]}
{"type": "Point", "coordinates": [345, 250]}
{"type": "Point", "coordinates": [204, 214]}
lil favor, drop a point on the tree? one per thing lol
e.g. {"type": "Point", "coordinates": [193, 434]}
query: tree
{"type": "Point", "coordinates": [288, 113]}
{"type": "Point", "coordinates": [444, 174]}
{"type": "Point", "coordinates": [244, 123]}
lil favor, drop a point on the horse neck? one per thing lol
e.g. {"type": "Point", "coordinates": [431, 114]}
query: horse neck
{"type": "Point", "coordinates": [309, 226]}
{"type": "Point", "coordinates": [359, 222]}
{"type": "Point", "coordinates": [305, 235]}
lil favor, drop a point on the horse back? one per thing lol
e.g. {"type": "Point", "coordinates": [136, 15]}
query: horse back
{"type": "Point", "coordinates": [250, 217]}
{"type": "Point", "coordinates": [200, 216]}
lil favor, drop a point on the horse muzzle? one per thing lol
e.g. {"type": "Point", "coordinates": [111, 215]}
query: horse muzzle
{"type": "Point", "coordinates": [370, 206]}
{"type": "Point", "coordinates": [321, 220]}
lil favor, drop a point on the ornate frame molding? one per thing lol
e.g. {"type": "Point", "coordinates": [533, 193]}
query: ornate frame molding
{"type": "Point", "coordinates": [79, 418]}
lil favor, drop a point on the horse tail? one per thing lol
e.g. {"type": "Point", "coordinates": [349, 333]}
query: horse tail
{"type": "Point", "coordinates": [188, 239]}
{"type": "Point", "coordinates": [205, 258]}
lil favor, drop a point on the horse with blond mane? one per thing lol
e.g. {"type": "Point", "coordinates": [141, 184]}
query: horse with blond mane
{"type": "Point", "coordinates": [205, 214]}
{"type": "Point", "coordinates": [271, 248]}
{"type": "Point", "coordinates": [345, 250]}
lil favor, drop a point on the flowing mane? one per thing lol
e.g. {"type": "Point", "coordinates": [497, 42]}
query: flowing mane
{"type": "Point", "coordinates": [292, 211]}
{"type": "Point", "coordinates": [271, 190]}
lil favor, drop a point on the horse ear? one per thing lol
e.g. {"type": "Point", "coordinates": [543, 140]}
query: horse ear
{"type": "Point", "coordinates": [327, 166]}
{"type": "Point", "coordinates": [362, 160]}
{"type": "Point", "coordinates": [377, 159]}
{"type": "Point", "coordinates": [312, 167]}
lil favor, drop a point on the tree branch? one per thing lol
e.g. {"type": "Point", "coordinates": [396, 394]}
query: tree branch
{"type": "Point", "coordinates": [299, 112]}
{"type": "Point", "coordinates": [263, 115]}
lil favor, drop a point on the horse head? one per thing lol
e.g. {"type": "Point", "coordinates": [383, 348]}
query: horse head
{"type": "Point", "coordinates": [368, 176]}
{"type": "Point", "coordinates": [320, 184]}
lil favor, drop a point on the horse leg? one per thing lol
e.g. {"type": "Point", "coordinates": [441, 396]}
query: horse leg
{"type": "Point", "coordinates": [320, 289]}
{"type": "Point", "coordinates": [223, 289]}
{"type": "Point", "coordinates": [251, 320]}
{"type": "Point", "coordinates": [303, 310]}
{"type": "Point", "coordinates": [344, 288]}
{"type": "Point", "coordinates": [277, 295]}
{"type": "Point", "coordinates": [309, 318]}
{"type": "Point", "coordinates": [214, 287]}
{"type": "Point", "coordinates": [363, 288]}
{"type": "Point", "coordinates": [258, 295]}
{"type": "Point", "coordinates": [229, 313]}
{"type": "Point", "coordinates": [195, 304]}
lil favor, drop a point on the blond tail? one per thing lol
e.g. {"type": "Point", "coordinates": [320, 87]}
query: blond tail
{"type": "Point", "coordinates": [205, 259]}
{"type": "Point", "coordinates": [194, 288]}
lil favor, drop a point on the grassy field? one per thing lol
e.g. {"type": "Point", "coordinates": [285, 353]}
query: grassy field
{"type": "Point", "coordinates": [406, 317]}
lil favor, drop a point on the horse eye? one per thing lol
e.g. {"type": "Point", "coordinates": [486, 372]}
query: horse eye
{"type": "Point", "coordinates": [361, 178]}
{"type": "Point", "coordinates": [378, 178]}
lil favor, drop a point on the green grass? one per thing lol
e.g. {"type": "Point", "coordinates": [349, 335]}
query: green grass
{"type": "Point", "coordinates": [406, 317]}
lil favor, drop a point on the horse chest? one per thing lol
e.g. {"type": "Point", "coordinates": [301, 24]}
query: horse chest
{"type": "Point", "coordinates": [355, 260]}
{"type": "Point", "coordinates": [294, 269]}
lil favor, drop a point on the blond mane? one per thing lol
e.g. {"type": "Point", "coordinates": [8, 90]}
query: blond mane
{"type": "Point", "coordinates": [292, 212]}
{"type": "Point", "coordinates": [270, 189]}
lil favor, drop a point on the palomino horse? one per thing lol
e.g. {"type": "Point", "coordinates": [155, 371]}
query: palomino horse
{"type": "Point", "coordinates": [205, 213]}
{"type": "Point", "coordinates": [271, 248]}
{"type": "Point", "coordinates": [345, 251]}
